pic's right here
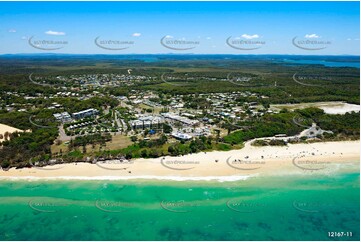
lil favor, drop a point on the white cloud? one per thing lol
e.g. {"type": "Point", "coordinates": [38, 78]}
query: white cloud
{"type": "Point", "coordinates": [136, 34]}
{"type": "Point", "coordinates": [169, 36]}
{"type": "Point", "coordinates": [208, 38]}
{"type": "Point", "coordinates": [247, 36]}
{"type": "Point", "coordinates": [24, 38]}
{"type": "Point", "coordinates": [348, 39]}
{"type": "Point", "coordinates": [50, 32]}
{"type": "Point", "coordinates": [312, 36]}
{"type": "Point", "coordinates": [12, 30]}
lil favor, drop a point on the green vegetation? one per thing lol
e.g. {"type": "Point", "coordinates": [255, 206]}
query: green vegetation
{"type": "Point", "coordinates": [90, 139]}
{"type": "Point", "coordinates": [29, 106]}
{"type": "Point", "coordinates": [344, 126]}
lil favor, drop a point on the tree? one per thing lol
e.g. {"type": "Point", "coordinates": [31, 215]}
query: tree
{"type": "Point", "coordinates": [6, 136]}
{"type": "Point", "coordinates": [167, 129]}
{"type": "Point", "coordinates": [144, 153]}
{"type": "Point", "coordinates": [134, 138]}
{"type": "Point", "coordinates": [218, 134]}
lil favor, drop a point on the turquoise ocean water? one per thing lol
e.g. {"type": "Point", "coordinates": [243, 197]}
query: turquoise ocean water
{"type": "Point", "coordinates": [303, 207]}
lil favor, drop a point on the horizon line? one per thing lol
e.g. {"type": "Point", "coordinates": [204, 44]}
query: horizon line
{"type": "Point", "coordinates": [240, 54]}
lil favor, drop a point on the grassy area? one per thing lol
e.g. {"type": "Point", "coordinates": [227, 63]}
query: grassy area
{"type": "Point", "coordinates": [156, 110]}
{"type": "Point", "coordinates": [118, 142]}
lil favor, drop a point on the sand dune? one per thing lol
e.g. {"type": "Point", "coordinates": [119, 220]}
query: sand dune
{"type": "Point", "coordinates": [5, 128]}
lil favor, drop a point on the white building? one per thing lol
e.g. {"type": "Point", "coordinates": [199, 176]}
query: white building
{"type": "Point", "coordinates": [181, 136]}
{"type": "Point", "coordinates": [146, 122]}
{"type": "Point", "coordinates": [184, 120]}
{"type": "Point", "coordinates": [62, 117]}
{"type": "Point", "coordinates": [85, 113]}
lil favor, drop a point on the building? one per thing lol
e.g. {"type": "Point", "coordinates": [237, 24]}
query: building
{"type": "Point", "coordinates": [146, 122]}
{"type": "Point", "coordinates": [85, 113]}
{"type": "Point", "coordinates": [181, 136]}
{"type": "Point", "coordinates": [177, 118]}
{"type": "Point", "coordinates": [63, 117]}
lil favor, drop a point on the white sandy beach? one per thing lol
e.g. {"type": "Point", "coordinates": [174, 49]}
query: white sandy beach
{"type": "Point", "coordinates": [217, 165]}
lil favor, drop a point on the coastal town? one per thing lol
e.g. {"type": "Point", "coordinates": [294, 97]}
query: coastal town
{"type": "Point", "coordinates": [180, 121]}
{"type": "Point", "coordinates": [142, 115]}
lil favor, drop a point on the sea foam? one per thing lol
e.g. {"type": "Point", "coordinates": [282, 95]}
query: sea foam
{"type": "Point", "coordinates": [113, 178]}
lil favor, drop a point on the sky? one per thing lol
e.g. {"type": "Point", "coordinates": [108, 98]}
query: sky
{"type": "Point", "coordinates": [306, 28]}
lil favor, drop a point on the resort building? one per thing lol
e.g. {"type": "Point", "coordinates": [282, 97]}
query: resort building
{"type": "Point", "coordinates": [181, 136]}
{"type": "Point", "coordinates": [173, 117]}
{"type": "Point", "coordinates": [63, 117]}
{"type": "Point", "coordinates": [146, 122]}
{"type": "Point", "coordinates": [85, 113]}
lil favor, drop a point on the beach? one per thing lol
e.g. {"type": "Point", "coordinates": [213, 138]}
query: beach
{"type": "Point", "coordinates": [320, 157]}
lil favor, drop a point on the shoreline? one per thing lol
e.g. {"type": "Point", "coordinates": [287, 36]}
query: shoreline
{"type": "Point", "coordinates": [248, 162]}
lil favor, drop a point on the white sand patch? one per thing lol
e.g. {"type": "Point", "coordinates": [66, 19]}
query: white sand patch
{"type": "Point", "coordinates": [5, 128]}
{"type": "Point", "coordinates": [342, 108]}
{"type": "Point", "coordinates": [328, 107]}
